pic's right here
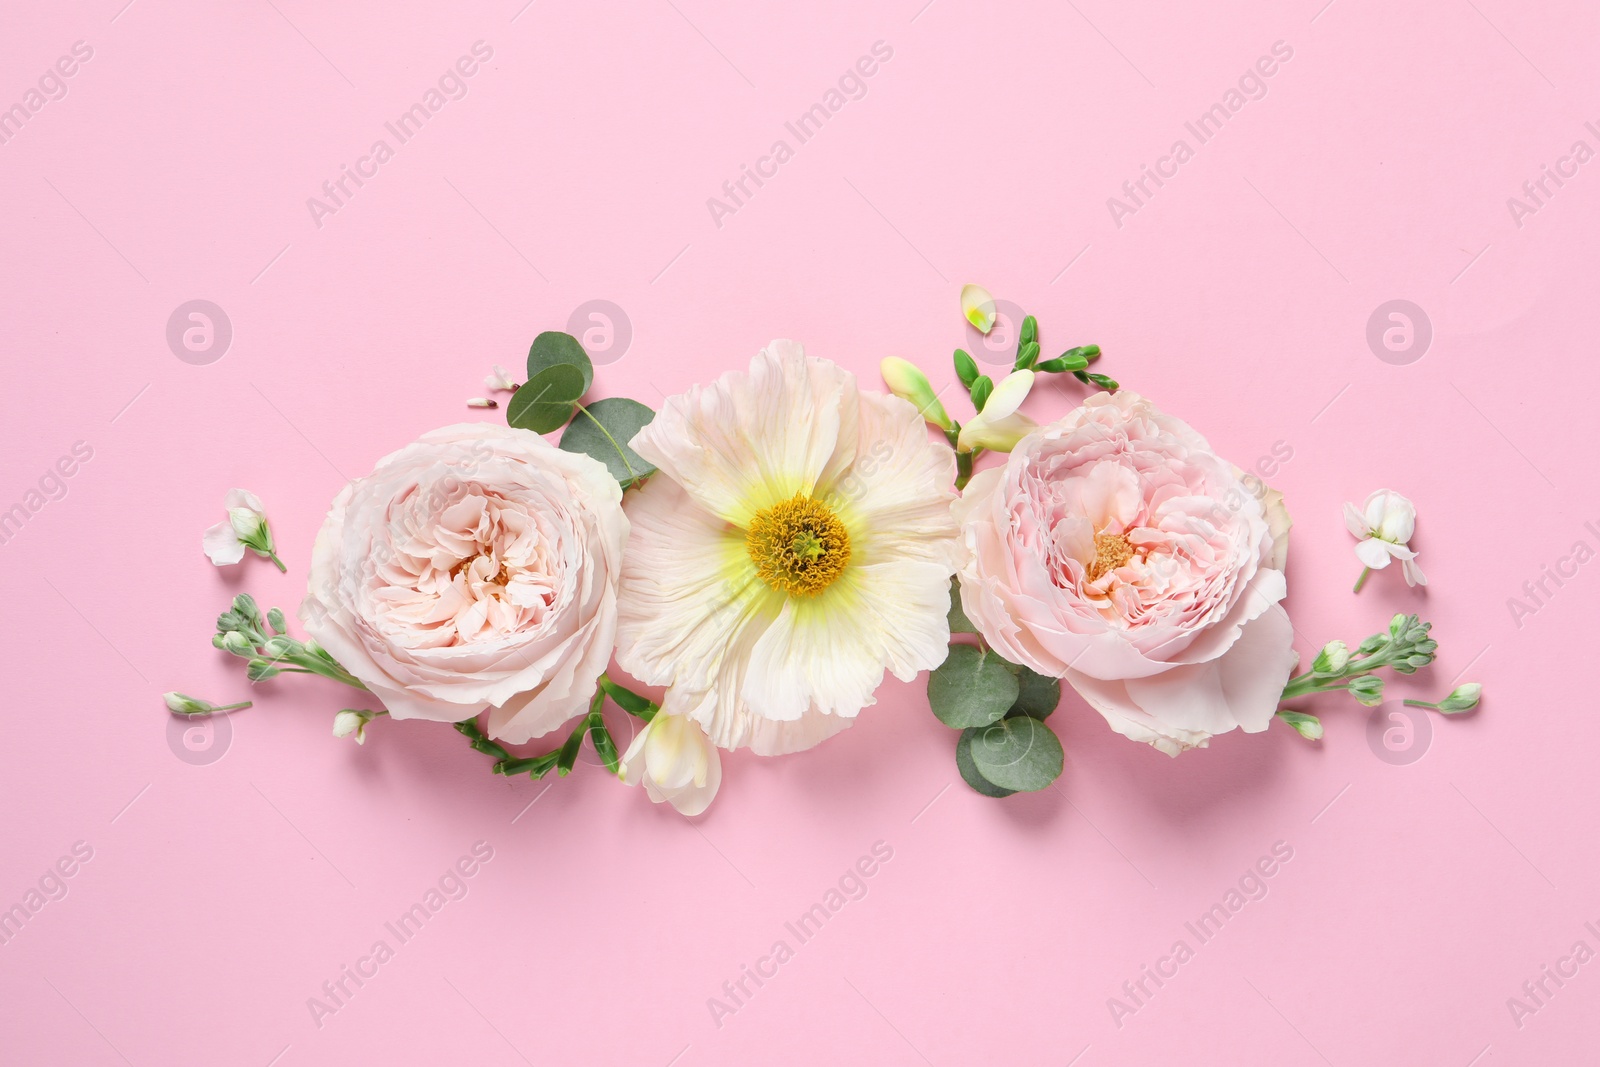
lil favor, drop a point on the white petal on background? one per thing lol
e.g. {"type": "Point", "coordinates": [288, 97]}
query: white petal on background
{"type": "Point", "coordinates": [222, 544]}
{"type": "Point", "coordinates": [1374, 553]}
{"type": "Point", "coordinates": [978, 307]}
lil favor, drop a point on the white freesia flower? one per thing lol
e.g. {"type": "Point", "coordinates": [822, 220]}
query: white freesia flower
{"type": "Point", "coordinates": [245, 527]}
{"type": "Point", "coordinates": [500, 381]}
{"type": "Point", "coordinates": [351, 722]}
{"type": "Point", "coordinates": [1385, 525]}
{"type": "Point", "coordinates": [796, 545]}
{"type": "Point", "coordinates": [677, 763]}
{"type": "Point", "coordinates": [999, 426]}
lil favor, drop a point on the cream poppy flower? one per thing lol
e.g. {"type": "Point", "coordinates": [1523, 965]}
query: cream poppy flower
{"type": "Point", "coordinates": [796, 544]}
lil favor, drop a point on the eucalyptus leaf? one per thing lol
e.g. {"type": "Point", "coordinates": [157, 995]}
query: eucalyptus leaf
{"type": "Point", "coordinates": [959, 623]}
{"type": "Point", "coordinates": [553, 348]}
{"type": "Point", "coordinates": [1020, 753]}
{"type": "Point", "coordinates": [548, 400]}
{"type": "Point", "coordinates": [1037, 695]}
{"type": "Point", "coordinates": [971, 688]}
{"type": "Point", "coordinates": [969, 770]}
{"type": "Point", "coordinates": [603, 429]}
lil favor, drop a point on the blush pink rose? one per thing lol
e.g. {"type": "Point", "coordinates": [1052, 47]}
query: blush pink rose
{"type": "Point", "coordinates": [1115, 550]}
{"type": "Point", "coordinates": [476, 567]}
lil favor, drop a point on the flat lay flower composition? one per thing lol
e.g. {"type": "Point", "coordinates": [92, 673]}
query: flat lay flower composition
{"type": "Point", "coordinates": [743, 568]}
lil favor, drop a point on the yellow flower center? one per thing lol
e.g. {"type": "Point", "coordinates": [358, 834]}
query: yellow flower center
{"type": "Point", "coordinates": [799, 546]}
{"type": "Point", "coordinates": [1110, 552]}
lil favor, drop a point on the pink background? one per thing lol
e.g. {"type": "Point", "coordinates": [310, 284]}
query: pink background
{"type": "Point", "coordinates": [221, 896]}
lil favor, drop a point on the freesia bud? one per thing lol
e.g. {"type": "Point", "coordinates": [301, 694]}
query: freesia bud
{"type": "Point", "coordinates": [1462, 698]}
{"type": "Point", "coordinates": [908, 383]}
{"type": "Point", "coordinates": [999, 426]}
{"type": "Point", "coordinates": [676, 761]}
{"type": "Point", "coordinates": [183, 704]}
{"type": "Point", "coordinates": [481, 402]}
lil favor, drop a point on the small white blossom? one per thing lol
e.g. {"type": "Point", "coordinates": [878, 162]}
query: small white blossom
{"type": "Point", "coordinates": [1384, 526]}
{"type": "Point", "coordinates": [999, 426]}
{"type": "Point", "coordinates": [499, 381]}
{"type": "Point", "coordinates": [245, 527]}
{"type": "Point", "coordinates": [350, 722]}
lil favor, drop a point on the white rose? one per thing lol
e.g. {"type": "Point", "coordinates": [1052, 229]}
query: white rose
{"type": "Point", "coordinates": [476, 567]}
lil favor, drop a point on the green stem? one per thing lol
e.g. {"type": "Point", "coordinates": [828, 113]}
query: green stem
{"type": "Point", "coordinates": [963, 469]}
{"type": "Point", "coordinates": [628, 700]}
{"type": "Point", "coordinates": [232, 707]}
{"type": "Point", "coordinates": [273, 556]}
{"type": "Point", "coordinates": [1362, 580]}
{"type": "Point", "coordinates": [1419, 704]}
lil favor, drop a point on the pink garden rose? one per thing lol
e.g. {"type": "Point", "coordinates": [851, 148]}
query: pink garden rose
{"type": "Point", "coordinates": [475, 567]}
{"type": "Point", "coordinates": [1116, 550]}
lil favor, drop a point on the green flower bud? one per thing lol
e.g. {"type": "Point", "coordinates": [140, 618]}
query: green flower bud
{"type": "Point", "coordinates": [908, 383]}
{"type": "Point", "coordinates": [276, 621]}
{"type": "Point", "coordinates": [966, 369]}
{"type": "Point", "coordinates": [258, 670]}
{"type": "Point", "coordinates": [1367, 689]}
{"type": "Point", "coordinates": [1462, 698]}
{"type": "Point", "coordinates": [1333, 659]}
{"type": "Point", "coordinates": [182, 704]}
{"type": "Point", "coordinates": [1307, 726]}
{"type": "Point", "coordinates": [234, 642]}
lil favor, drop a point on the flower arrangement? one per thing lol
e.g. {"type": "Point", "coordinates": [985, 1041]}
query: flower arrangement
{"type": "Point", "coordinates": [767, 546]}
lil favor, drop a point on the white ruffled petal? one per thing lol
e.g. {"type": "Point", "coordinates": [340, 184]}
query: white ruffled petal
{"type": "Point", "coordinates": [222, 544]}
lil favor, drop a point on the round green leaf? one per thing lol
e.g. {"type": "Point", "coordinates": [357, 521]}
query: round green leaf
{"type": "Point", "coordinates": [971, 688]}
{"type": "Point", "coordinates": [603, 430]}
{"type": "Point", "coordinates": [1037, 695]}
{"type": "Point", "coordinates": [1019, 753]}
{"type": "Point", "coordinates": [969, 770]}
{"type": "Point", "coordinates": [554, 347]}
{"type": "Point", "coordinates": [547, 401]}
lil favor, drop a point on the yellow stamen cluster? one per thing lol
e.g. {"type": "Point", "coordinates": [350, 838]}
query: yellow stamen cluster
{"type": "Point", "coordinates": [799, 546]}
{"type": "Point", "coordinates": [1110, 552]}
